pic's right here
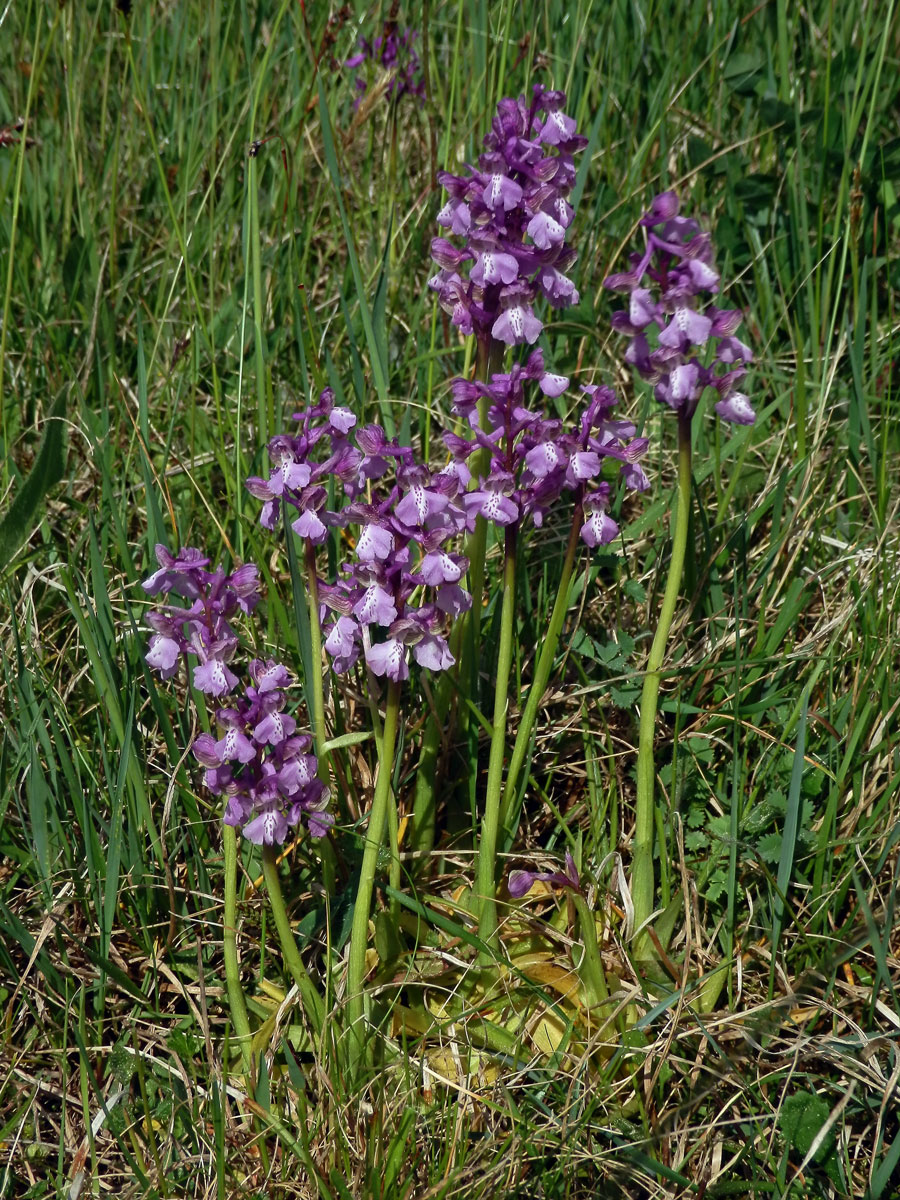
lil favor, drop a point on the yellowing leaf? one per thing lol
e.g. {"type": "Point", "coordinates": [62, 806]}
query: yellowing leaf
{"type": "Point", "coordinates": [548, 1033]}
{"type": "Point", "coordinates": [561, 980]}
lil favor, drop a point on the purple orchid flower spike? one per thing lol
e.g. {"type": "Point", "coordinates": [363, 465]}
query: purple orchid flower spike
{"type": "Point", "coordinates": [520, 883]}
{"type": "Point", "coordinates": [512, 214]}
{"type": "Point", "coordinates": [405, 575]}
{"type": "Point", "coordinates": [534, 459]}
{"type": "Point", "coordinates": [394, 52]}
{"type": "Point", "coordinates": [667, 287]}
{"type": "Point", "coordinates": [262, 765]}
{"type": "Point", "coordinates": [203, 631]}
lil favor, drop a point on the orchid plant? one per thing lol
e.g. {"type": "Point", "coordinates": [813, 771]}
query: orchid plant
{"type": "Point", "coordinates": [673, 326]}
{"type": "Point", "coordinates": [409, 541]}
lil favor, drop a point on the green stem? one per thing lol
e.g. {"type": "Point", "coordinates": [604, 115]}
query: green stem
{"type": "Point", "coordinates": [393, 817]}
{"type": "Point", "coordinates": [315, 640]}
{"type": "Point", "coordinates": [34, 88]}
{"type": "Point", "coordinates": [424, 815]}
{"type": "Point", "coordinates": [320, 733]}
{"type": "Point", "coordinates": [591, 970]}
{"type": "Point", "coordinates": [541, 675]}
{"type": "Point", "coordinates": [488, 360]}
{"type": "Point", "coordinates": [236, 1002]}
{"type": "Point", "coordinates": [487, 845]}
{"type": "Point", "coordinates": [312, 1001]}
{"type": "Point", "coordinates": [359, 932]}
{"type": "Point", "coordinates": [396, 868]}
{"type": "Point", "coordinates": [642, 874]}
{"type": "Point", "coordinates": [252, 250]}
{"type": "Point", "coordinates": [464, 642]}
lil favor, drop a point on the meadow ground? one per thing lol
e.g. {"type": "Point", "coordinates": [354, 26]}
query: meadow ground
{"type": "Point", "coordinates": [169, 299]}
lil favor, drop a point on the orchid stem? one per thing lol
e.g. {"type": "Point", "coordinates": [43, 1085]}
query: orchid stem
{"type": "Point", "coordinates": [312, 1001]}
{"type": "Point", "coordinates": [487, 847]}
{"type": "Point", "coordinates": [359, 932]}
{"type": "Point", "coordinates": [642, 870]}
{"type": "Point", "coordinates": [315, 637]}
{"type": "Point", "coordinates": [393, 816]}
{"type": "Point", "coordinates": [318, 690]}
{"type": "Point", "coordinates": [541, 676]}
{"type": "Point", "coordinates": [236, 1002]}
{"type": "Point", "coordinates": [488, 360]}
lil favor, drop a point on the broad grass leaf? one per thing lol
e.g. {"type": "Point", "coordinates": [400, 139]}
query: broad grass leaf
{"type": "Point", "coordinates": [48, 469]}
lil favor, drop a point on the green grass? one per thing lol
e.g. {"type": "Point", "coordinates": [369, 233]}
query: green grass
{"type": "Point", "coordinates": [168, 301]}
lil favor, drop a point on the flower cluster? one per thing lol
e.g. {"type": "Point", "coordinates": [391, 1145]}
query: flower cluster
{"type": "Point", "coordinates": [203, 630]}
{"type": "Point", "coordinates": [396, 54]}
{"type": "Point", "coordinates": [403, 533]}
{"type": "Point", "coordinates": [262, 765]}
{"type": "Point", "coordinates": [404, 576]}
{"type": "Point", "coordinates": [521, 882]}
{"type": "Point", "coordinates": [511, 214]}
{"type": "Point", "coordinates": [257, 762]}
{"type": "Point", "coordinates": [534, 459]}
{"type": "Point", "coordinates": [669, 329]}
{"type": "Point", "coordinates": [303, 464]}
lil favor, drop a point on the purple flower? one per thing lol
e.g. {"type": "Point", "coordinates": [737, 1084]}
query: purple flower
{"type": "Point", "coordinates": [405, 538]}
{"type": "Point", "coordinates": [268, 828]}
{"type": "Point", "coordinates": [342, 643]}
{"type": "Point", "coordinates": [388, 658]}
{"type": "Point", "coordinates": [736, 408]}
{"type": "Point", "coordinates": [678, 265]}
{"type": "Point", "coordinates": [203, 631]}
{"type": "Point", "coordinates": [432, 651]}
{"type": "Point", "coordinates": [214, 678]}
{"type": "Point", "coordinates": [375, 606]}
{"type": "Point", "coordinates": [303, 464]}
{"type": "Point", "coordinates": [490, 502]}
{"type": "Point", "coordinates": [521, 882]}
{"type": "Point", "coordinates": [261, 765]}
{"type": "Point", "coordinates": [163, 655]}
{"type": "Point", "coordinates": [516, 324]}
{"type": "Point", "coordinates": [375, 542]}
{"type": "Point", "coordinates": [394, 52]}
{"type": "Point", "coordinates": [310, 526]}
{"type": "Point", "coordinates": [404, 522]}
{"type": "Point", "coordinates": [533, 458]}
{"type": "Point", "coordinates": [234, 745]}
{"type": "Point", "coordinates": [599, 528]}
{"type": "Point", "coordinates": [184, 574]}
{"type": "Point", "coordinates": [440, 567]}
{"type": "Point", "coordinates": [269, 675]}
{"type": "Point", "coordinates": [420, 503]}
{"type": "Point", "coordinates": [511, 210]}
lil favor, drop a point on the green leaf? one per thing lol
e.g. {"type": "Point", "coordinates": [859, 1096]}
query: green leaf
{"type": "Point", "coordinates": [624, 697]}
{"type": "Point", "coordinates": [802, 1118]}
{"type": "Point", "coordinates": [886, 1168]}
{"type": "Point", "coordinates": [744, 71]}
{"type": "Point", "coordinates": [377, 348]}
{"type": "Point", "coordinates": [716, 886]}
{"type": "Point", "coordinates": [769, 847]}
{"type": "Point", "coordinates": [348, 739]}
{"type": "Point", "coordinates": [46, 472]}
{"type": "Point", "coordinates": [719, 827]}
{"type": "Point", "coordinates": [701, 156]}
{"type": "Point", "coordinates": [775, 112]}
